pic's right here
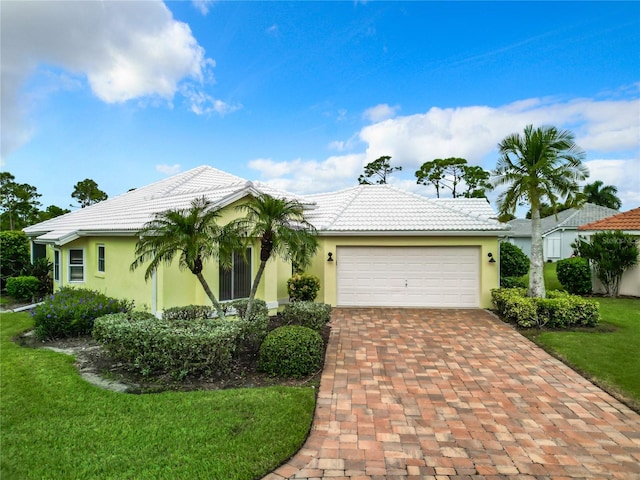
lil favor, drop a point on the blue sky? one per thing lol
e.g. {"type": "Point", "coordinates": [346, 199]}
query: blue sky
{"type": "Point", "coordinates": [303, 94]}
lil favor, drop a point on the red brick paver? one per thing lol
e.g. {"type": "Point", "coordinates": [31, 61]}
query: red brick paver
{"type": "Point", "coordinates": [456, 394]}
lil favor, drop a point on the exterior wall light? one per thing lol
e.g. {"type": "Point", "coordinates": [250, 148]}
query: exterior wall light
{"type": "Point", "coordinates": [330, 259]}
{"type": "Point", "coordinates": [491, 259]}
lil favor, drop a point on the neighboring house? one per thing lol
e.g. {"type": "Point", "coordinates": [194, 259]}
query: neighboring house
{"type": "Point", "coordinates": [379, 246]}
{"type": "Point", "coordinates": [558, 231]}
{"type": "Point", "coordinates": [627, 222]}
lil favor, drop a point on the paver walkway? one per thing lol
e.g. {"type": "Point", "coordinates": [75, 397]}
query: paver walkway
{"type": "Point", "coordinates": [453, 394]}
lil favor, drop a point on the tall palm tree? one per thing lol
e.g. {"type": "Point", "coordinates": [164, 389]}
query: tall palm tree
{"type": "Point", "coordinates": [543, 165]}
{"type": "Point", "coordinates": [280, 226]}
{"type": "Point", "coordinates": [192, 233]}
{"type": "Point", "coordinates": [602, 195]}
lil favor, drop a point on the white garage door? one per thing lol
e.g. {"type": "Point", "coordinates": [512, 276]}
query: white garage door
{"type": "Point", "coordinates": [408, 276]}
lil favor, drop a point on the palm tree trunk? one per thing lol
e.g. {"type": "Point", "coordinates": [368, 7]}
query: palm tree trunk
{"type": "Point", "coordinates": [536, 272]}
{"type": "Point", "coordinates": [211, 296]}
{"type": "Point", "coordinates": [254, 289]}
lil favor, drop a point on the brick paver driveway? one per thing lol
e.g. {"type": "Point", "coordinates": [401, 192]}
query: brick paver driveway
{"type": "Point", "coordinates": [456, 394]}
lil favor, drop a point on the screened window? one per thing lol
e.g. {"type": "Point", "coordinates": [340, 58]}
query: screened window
{"type": "Point", "coordinates": [56, 265]}
{"type": "Point", "coordinates": [101, 258]}
{"type": "Point", "coordinates": [76, 265]}
{"type": "Point", "coordinates": [236, 282]}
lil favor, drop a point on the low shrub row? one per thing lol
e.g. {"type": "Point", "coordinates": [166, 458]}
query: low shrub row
{"type": "Point", "coordinates": [152, 346]}
{"type": "Point", "coordinates": [71, 312]}
{"type": "Point", "coordinates": [558, 310]}
{"type": "Point", "coordinates": [307, 314]}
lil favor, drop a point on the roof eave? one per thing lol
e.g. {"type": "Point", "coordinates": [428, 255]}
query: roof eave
{"type": "Point", "coordinates": [411, 233]}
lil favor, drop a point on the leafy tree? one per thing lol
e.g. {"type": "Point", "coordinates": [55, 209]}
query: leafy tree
{"type": "Point", "coordinates": [547, 210]}
{"type": "Point", "coordinates": [605, 196]}
{"type": "Point", "coordinates": [451, 173]}
{"type": "Point", "coordinates": [280, 226]}
{"type": "Point", "coordinates": [51, 211]}
{"type": "Point", "coordinates": [88, 193]}
{"type": "Point", "coordinates": [542, 165]}
{"type": "Point", "coordinates": [14, 254]}
{"type": "Point", "coordinates": [610, 254]}
{"type": "Point", "coordinates": [194, 235]}
{"type": "Point", "coordinates": [379, 169]}
{"type": "Point", "coordinates": [18, 202]}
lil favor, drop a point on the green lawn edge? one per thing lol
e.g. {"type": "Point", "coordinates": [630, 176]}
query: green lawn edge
{"type": "Point", "coordinates": [56, 425]}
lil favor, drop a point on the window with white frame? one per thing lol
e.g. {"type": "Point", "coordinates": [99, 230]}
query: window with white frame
{"type": "Point", "coordinates": [76, 265]}
{"type": "Point", "coordinates": [236, 282]}
{"type": "Point", "coordinates": [56, 265]}
{"type": "Point", "coordinates": [101, 251]}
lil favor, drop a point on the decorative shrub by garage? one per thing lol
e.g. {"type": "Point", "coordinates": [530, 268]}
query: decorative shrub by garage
{"type": "Point", "coordinates": [303, 287]}
{"type": "Point", "coordinates": [558, 310]}
{"type": "Point", "coordinates": [307, 314]}
{"type": "Point", "coordinates": [291, 351]}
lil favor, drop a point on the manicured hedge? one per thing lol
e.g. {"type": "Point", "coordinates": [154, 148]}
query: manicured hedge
{"type": "Point", "coordinates": [152, 346]}
{"type": "Point", "coordinates": [70, 312]}
{"type": "Point", "coordinates": [23, 288]}
{"type": "Point", "coordinates": [307, 314]}
{"type": "Point", "coordinates": [291, 351]}
{"type": "Point", "coordinates": [558, 310]}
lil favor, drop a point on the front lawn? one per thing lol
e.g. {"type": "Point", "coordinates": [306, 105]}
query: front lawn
{"type": "Point", "coordinates": [610, 353]}
{"type": "Point", "coordinates": [56, 425]}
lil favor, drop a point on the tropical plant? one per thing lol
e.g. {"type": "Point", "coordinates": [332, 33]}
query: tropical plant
{"type": "Point", "coordinates": [601, 194]}
{"type": "Point", "coordinates": [380, 169]}
{"type": "Point", "coordinates": [194, 235]}
{"type": "Point", "coordinates": [282, 230]}
{"type": "Point", "coordinates": [543, 164]}
{"type": "Point", "coordinates": [610, 254]}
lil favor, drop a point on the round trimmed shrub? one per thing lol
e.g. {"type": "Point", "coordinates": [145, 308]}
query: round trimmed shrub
{"type": "Point", "coordinates": [291, 351]}
{"type": "Point", "coordinates": [575, 275]}
{"type": "Point", "coordinates": [308, 314]}
{"type": "Point", "coordinates": [513, 261]}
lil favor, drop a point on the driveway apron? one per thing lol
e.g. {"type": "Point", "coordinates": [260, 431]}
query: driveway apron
{"type": "Point", "coordinates": [448, 394]}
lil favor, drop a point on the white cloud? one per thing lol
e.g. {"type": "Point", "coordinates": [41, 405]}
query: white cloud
{"type": "Point", "coordinates": [272, 30]}
{"type": "Point", "coordinates": [311, 176]}
{"type": "Point", "coordinates": [169, 170]}
{"type": "Point", "coordinates": [606, 129]}
{"type": "Point", "coordinates": [202, 5]}
{"type": "Point", "coordinates": [380, 112]}
{"type": "Point", "coordinates": [125, 50]}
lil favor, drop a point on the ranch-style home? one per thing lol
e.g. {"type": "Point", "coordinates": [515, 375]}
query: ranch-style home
{"type": "Point", "coordinates": [378, 246]}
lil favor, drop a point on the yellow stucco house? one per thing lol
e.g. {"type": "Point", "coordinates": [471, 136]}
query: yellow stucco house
{"type": "Point", "coordinates": [379, 246]}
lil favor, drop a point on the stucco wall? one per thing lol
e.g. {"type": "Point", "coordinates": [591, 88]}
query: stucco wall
{"type": "Point", "coordinates": [326, 271]}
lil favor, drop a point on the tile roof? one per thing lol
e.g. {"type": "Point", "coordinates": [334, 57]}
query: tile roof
{"type": "Point", "coordinates": [365, 208]}
{"type": "Point", "coordinates": [629, 221]}
{"type": "Point", "coordinates": [384, 208]}
{"type": "Point", "coordinates": [130, 211]}
{"type": "Point", "coordinates": [569, 219]}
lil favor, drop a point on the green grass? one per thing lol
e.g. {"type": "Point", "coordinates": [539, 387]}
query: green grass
{"type": "Point", "coordinates": [610, 355]}
{"type": "Point", "coordinates": [55, 425]}
{"type": "Point", "coordinates": [550, 279]}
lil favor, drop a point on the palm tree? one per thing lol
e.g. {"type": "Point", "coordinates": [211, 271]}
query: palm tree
{"type": "Point", "coordinates": [604, 196]}
{"type": "Point", "coordinates": [192, 233]}
{"type": "Point", "coordinates": [544, 164]}
{"type": "Point", "coordinates": [282, 230]}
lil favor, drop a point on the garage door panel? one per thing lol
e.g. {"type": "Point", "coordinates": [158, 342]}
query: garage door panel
{"type": "Point", "coordinates": [408, 276]}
